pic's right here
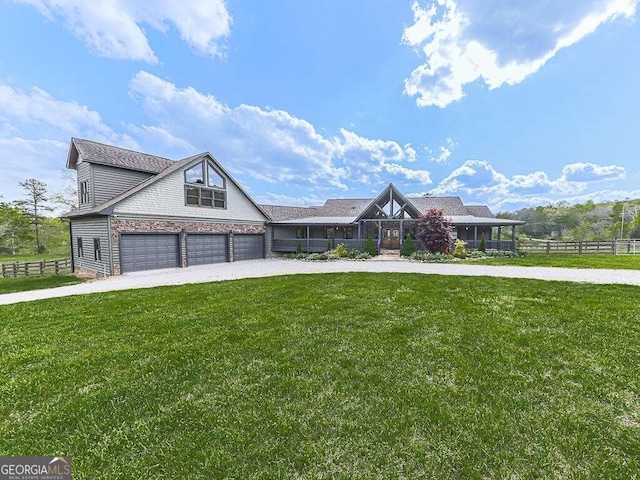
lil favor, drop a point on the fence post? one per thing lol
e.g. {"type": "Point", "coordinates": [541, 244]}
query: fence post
{"type": "Point", "coordinates": [55, 267]}
{"type": "Point", "coordinates": [26, 269]}
{"type": "Point", "coordinates": [42, 268]}
{"type": "Point", "coordinates": [579, 248]}
{"type": "Point", "coordinates": [548, 247]}
{"type": "Point", "coordinates": [3, 270]}
{"type": "Point", "coordinates": [14, 267]}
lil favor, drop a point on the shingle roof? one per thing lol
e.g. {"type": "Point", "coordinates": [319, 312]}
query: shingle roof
{"type": "Point", "coordinates": [344, 207]}
{"type": "Point", "coordinates": [450, 205]}
{"type": "Point", "coordinates": [281, 213]}
{"type": "Point", "coordinates": [95, 152]}
{"type": "Point", "coordinates": [480, 211]}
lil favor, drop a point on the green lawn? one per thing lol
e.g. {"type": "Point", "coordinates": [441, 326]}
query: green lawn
{"type": "Point", "coordinates": [626, 262]}
{"type": "Point", "coordinates": [33, 258]}
{"type": "Point", "coordinates": [21, 284]}
{"type": "Point", "coordinates": [329, 376]}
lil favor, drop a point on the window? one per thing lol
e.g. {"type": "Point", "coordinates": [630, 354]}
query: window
{"type": "Point", "coordinates": [301, 232]}
{"type": "Point", "coordinates": [84, 192]}
{"type": "Point", "coordinates": [348, 233]}
{"type": "Point", "coordinates": [205, 187]}
{"type": "Point", "coordinates": [97, 254]}
{"type": "Point", "coordinates": [80, 249]}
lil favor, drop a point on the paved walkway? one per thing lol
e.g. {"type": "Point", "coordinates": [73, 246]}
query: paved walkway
{"type": "Point", "coordinates": [274, 267]}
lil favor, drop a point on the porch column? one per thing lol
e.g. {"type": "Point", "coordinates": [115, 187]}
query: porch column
{"type": "Point", "coordinates": [499, 235]}
{"type": "Point", "coordinates": [308, 239]}
{"type": "Point", "coordinates": [475, 236]}
{"type": "Point", "coordinates": [379, 234]}
{"type": "Point", "coordinates": [513, 238]}
{"type": "Point", "coordinates": [401, 234]}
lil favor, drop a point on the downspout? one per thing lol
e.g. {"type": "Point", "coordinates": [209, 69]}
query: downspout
{"type": "Point", "coordinates": [73, 263]}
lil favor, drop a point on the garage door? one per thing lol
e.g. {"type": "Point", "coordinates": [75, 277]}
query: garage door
{"type": "Point", "coordinates": [149, 251]}
{"type": "Point", "coordinates": [248, 247]}
{"type": "Point", "coordinates": [203, 249]}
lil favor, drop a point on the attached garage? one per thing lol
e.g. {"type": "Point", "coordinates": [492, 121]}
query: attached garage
{"type": "Point", "coordinates": [149, 251]}
{"type": "Point", "coordinates": [203, 249]}
{"type": "Point", "coordinates": [248, 247]}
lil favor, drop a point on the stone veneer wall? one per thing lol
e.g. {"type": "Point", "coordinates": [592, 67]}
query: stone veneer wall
{"type": "Point", "coordinates": [182, 227]}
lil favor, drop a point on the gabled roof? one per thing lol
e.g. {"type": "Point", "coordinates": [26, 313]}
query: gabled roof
{"type": "Point", "coordinates": [94, 152]}
{"type": "Point", "coordinates": [108, 207]}
{"type": "Point", "coordinates": [450, 205]}
{"type": "Point", "coordinates": [392, 194]}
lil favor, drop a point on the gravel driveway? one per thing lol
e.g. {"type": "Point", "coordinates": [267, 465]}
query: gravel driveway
{"type": "Point", "coordinates": [273, 267]}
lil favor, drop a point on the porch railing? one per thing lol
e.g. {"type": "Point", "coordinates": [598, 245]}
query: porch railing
{"type": "Point", "coordinates": [313, 245]}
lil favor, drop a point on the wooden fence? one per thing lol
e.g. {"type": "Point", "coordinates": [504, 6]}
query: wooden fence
{"type": "Point", "coordinates": [40, 268]}
{"type": "Point", "coordinates": [613, 247]}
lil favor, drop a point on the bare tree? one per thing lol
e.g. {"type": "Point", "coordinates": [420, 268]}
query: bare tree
{"type": "Point", "coordinates": [36, 193]}
{"type": "Point", "coordinates": [67, 197]}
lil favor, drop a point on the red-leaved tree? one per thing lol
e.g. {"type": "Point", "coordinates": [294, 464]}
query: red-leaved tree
{"type": "Point", "coordinates": [435, 231]}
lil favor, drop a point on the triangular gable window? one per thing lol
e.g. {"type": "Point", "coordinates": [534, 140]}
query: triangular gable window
{"type": "Point", "coordinates": [205, 186]}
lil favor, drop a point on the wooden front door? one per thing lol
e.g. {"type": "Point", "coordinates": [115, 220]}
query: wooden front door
{"type": "Point", "coordinates": [391, 238]}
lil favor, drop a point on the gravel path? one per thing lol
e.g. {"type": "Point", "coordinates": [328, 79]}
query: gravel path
{"type": "Point", "coordinates": [273, 267]}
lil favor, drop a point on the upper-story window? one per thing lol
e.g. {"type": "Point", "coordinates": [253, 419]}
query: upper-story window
{"type": "Point", "coordinates": [204, 186]}
{"type": "Point", "coordinates": [84, 192]}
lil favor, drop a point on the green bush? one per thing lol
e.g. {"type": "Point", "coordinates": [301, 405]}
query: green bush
{"type": "Point", "coordinates": [370, 247]}
{"type": "Point", "coordinates": [341, 251]}
{"type": "Point", "coordinates": [429, 257]}
{"type": "Point", "coordinates": [482, 247]}
{"type": "Point", "coordinates": [408, 247]}
{"type": "Point", "coordinates": [459, 250]}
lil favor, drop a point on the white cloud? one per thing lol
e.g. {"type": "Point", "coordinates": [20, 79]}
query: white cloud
{"type": "Point", "coordinates": [115, 28]}
{"type": "Point", "coordinates": [479, 180]}
{"type": "Point", "coordinates": [272, 145]}
{"type": "Point", "coordinates": [468, 40]}
{"type": "Point", "coordinates": [444, 152]}
{"type": "Point", "coordinates": [590, 172]}
{"type": "Point", "coordinates": [35, 128]}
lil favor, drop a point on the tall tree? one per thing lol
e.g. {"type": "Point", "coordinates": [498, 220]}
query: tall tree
{"type": "Point", "coordinates": [15, 229]}
{"type": "Point", "coordinates": [435, 231]}
{"type": "Point", "coordinates": [35, 204]}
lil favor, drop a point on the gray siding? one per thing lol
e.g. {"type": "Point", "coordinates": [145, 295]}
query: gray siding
{"type": "Point", "coordinates": [84, 175]}
{"type": "Point", "coordinates": [89, 228]}
{"type": "Point", "coordinates": [111, 181]}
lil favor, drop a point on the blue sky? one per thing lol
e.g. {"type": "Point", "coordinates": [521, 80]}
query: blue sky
{"type": "Point", "coordinates": [509, 104]}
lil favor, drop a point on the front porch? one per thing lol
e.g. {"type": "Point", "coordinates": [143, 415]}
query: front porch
{"type": "Point", "coordinates": [386, 233]}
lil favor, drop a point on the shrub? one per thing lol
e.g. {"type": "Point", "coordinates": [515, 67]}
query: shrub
{"type": "Point", "coordinates": [370, 247]}
{"type": "Point", "coordinates": [431, 257]}
{"type": "Point", "coordinates": [482, 247]}
{"type": "Point", "coordinates": [341, 251]}
{"type": "Point", "coordinates": [298, 247]}
{"type": "Point", "coordinates": [435, 233]}
{"type": "Point", "coordinates": [459, 251]}
{"type": "Point", "coordinates": [408, 247]}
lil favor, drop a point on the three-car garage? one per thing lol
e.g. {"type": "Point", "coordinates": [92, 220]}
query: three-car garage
{"type": "Point", "coordinates": [148, 251]}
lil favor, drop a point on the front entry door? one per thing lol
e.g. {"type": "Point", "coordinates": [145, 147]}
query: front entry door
{"type": "Point", "coordinates": [391, 238]}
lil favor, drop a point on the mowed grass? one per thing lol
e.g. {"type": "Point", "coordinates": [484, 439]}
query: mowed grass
{"type": "Point", "coordinates": [33, 258]}
{"type": "Point", "coordinates": [353, 375]}
{"type": "Point", "coordinates": [21, 284]}
{"type": "Point", "coordinates": [626, 262]}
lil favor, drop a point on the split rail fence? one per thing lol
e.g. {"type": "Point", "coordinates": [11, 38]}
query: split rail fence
{"type": "Point", "coordinates": [39, 268]}
{"type": "Point", "coordinates": [613, 247]}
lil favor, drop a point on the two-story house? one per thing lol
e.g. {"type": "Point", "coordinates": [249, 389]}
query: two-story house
{"type": "Point", "coordinates": [140, 212]}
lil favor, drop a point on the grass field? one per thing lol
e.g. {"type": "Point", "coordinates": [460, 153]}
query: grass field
{"type": "Point", "coordinates": [329, 376]}
{"type": "Point", "coordinates": [21, 284]}
{"type": "Point", "coordinates": [626, 262]}
{"type": "Point", "coordinates": [33, 258]}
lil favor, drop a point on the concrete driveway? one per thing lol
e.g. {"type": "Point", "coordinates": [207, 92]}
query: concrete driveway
{"type": "Point", "coordinates": [273, 267]}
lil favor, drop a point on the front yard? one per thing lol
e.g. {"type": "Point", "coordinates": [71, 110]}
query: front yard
{"type": "Point", "coordinates": [328, 376]}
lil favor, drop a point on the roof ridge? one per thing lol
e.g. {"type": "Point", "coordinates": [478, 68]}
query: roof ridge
{"type": "Point", "coordinates": [123, 148]}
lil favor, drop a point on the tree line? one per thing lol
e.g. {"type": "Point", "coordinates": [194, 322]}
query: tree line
{"type": "Point", "coordinates": [28, 226]}
{"type": "Point", "coordinates": [579, 222]}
